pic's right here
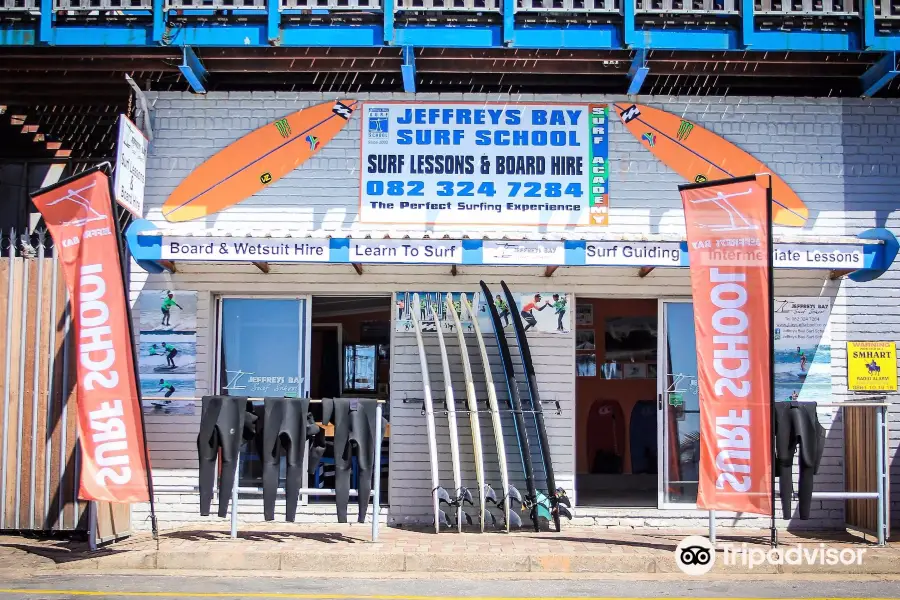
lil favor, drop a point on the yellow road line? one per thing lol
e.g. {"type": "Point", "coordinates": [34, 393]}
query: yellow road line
{"type": "Point", "coordinates": [340, 596]}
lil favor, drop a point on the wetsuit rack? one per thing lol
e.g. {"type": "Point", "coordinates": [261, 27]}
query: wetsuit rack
{"type": "Point", "coordinates": [304, 492]}
{"type": "Point", "coordinates": [881, 455]}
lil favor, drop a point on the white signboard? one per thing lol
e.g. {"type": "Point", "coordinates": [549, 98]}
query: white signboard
{"type": "Point", "coordinates": [801, 256]}
{"type": "Point", "coordinates": [131, 164]}
{"type": "Point", "coordinates": [524, 253]}
{"type": "Point", "coordinates": [448, 252]}
{"type": "Point", "coordinates": [641, 254]}
{"type": "Point", "coordinates": [484, 164]}
{"type": "Point", "coordinates": [249, 249]}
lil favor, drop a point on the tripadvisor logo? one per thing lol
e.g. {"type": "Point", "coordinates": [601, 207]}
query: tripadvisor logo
{"type": "Point", "coordinates": [695, 555]}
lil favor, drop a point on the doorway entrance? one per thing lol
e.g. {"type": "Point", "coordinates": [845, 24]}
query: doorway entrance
{"type": "Point", "coordinates": [616, 347]}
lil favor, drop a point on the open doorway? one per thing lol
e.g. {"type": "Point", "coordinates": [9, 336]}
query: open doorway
{"type": "Point", "coordinates": [349, 357]}
{"type": "Point", "coordinates": [615, 397]}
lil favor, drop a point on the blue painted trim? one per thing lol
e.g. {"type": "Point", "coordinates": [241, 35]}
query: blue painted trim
{"type": "Point", "coordinates": [629, 34]}
{"type": "Point", "coordinates": [833, 41]}
{"type": "Point", "coordinates": [45, 32]}
{"type": "Point", "coordinates": [747, 25]}
{"type": "Point", "coordinates": [887, 254]}
{"type": "Point", "coordinates": [193, 70]}
{"type": "Point", "coordinates": [638, 72]}
{"type": "Point", "coordinates": [877, 258]}
{"type": "Point", "coordinates": [509, 23]}
{"type": "Point", "coordinates": [159, 21]}
{"type": "Point", "coordinates": [408, 70]}
{"type": "Point", "coordinates": [273, 22]}
{"type": "Point", "coordinates": [448, 37]}
{"type": "Point", "coordinates": [17, 35]}
{"type": "Point", "coordinates": [594, 37]}
{"type": "Point", "coordinates": [389, 32]}
{"type": "Point", "coordinates": [879, 74]}
{"type": "Point", "coordinates": [868, 14]}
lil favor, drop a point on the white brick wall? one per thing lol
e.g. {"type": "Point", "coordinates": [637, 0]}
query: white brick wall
{"type": "Point", "coordinates": [841, 156]}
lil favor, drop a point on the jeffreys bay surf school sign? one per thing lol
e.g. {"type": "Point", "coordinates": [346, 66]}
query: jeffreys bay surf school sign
{"type": "Point", "coordinates": [484, 164]}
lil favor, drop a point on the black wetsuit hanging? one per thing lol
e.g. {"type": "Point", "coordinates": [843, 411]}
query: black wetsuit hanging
{"type": "Point", "coordinates": [797, 423]}
{"type": "Point", "coordinates": [223, 422]}
{"type": "Point", "coordinates": [354, 426]}
{"type": "Point", "coordinates": [284, 427]}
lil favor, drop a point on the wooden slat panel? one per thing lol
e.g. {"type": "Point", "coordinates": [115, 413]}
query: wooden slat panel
{"type": "Point", "coordinates": [56, 426]}
{"type": "Point", "coordinates": [5, 274]}
{"type": "Point", "coordinates": [27, 393]}
{"type": "Point", "coordinates": [861, 464]}
{"type": "Point", "coordinates": [46, 321]}
{"type": "Point", "coordinates": [73, 507]}
{"type": "Point", "coordinates": [11, 439]}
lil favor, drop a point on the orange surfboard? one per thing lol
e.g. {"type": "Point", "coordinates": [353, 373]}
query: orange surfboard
{"type": "Point", "coordinates": [698, 155]}
{"type": "Point", "coordinates": [257, 160]}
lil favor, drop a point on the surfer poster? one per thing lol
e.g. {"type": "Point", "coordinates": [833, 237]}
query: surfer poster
{"type": "Point", "coordinates": [167, 347]}
{"type": "Point", "coordinates": [802, 349]}
{"type": "Point", "coordinates": [541, 312]}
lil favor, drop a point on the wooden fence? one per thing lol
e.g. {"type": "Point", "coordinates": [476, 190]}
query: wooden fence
{"type": "Point", "coordinates": [38, 450]}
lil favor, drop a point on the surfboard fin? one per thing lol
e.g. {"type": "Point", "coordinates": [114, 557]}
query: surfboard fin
{"type": "Point", "coordinates": [564, 511]}
{"type": "Point", "coordinates": [468, 518]}
{"type": "Point", "coordinates": [444, 521]}
{"type": "Point", "coordinates": [515, 520]}
{"type": "Point", "coordinates": [562, 498]}
{"type": "Point", "coordinates": [492, 518]}
{"type": "Point", "coordinates": [465, 496]}
{"type": "Point", "coordinates": [513, 494]}
{"type": "Point", "coordinates": [443, 496]}
{"type": "Point", "coordinates": [489, 494]}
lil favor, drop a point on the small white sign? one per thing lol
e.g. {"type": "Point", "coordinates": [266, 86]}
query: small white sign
{"type": "Point", "coordinates": [524, 253]}
{"type": "Point", "coordinates": [131, 165]}
{"type": "Point", "coordinates": [806, 256]}
{"type": "Point", "coordinates": [249, 249]}
{"type": "Point", "coordinates": [447, 252]}
{"type": "Point", "coordinates": [639, 254]}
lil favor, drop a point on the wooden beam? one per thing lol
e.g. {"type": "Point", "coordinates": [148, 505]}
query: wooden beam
{"type": "Point", "coordinates": [358, 267]}
{"type": "Point", "coordinates": [453, 270]}
{"type": "Point", "coordinates": [549, 271]}
{"type": "Point", "coordinates": [838, 273]}
{"type": "Point", "coordinates": [168, 265]}
{"type": "Point", "coordinates": [262, 266]}
{"type": "Point", "coordinates": [644, 271]}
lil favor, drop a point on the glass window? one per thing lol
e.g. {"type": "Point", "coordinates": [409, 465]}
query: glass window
{"type": "Point", "coordinates": [262, 354]}
{"type": "Point", "coordinates": [682, 435]}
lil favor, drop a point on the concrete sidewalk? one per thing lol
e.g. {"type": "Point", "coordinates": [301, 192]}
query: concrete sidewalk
{"type": "Point", "coordinates": [346, 548]}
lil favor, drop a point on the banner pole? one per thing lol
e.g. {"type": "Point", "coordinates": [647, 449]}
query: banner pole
{"type": "Point", "coordinates": [126, 286]}
{"type": "Point", "coordinates": [770, 267]}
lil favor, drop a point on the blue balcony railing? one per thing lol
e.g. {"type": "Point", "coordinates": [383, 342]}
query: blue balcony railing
{"type": "Point", "coordinates": [777, 25]}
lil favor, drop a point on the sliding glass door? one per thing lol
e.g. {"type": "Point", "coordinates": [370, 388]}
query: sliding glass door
{"type": "Point", "coordinates": [679, 405]}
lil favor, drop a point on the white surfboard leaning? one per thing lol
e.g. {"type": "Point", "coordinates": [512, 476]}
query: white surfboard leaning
{"type": "Point", "coordinates": [458, 491]}
{"type": "Point", "coordinates": [509, 492]}
{"type": "Point", "coordinates": [439, 518]}
{"type": "Point", "coordinates": [472, 403]}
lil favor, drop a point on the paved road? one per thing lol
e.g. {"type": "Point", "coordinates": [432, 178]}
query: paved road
{"type": "Point", "coordinates": [59, 586]}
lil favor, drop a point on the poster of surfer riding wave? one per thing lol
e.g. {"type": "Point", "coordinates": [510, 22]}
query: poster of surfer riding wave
{"type": "Point", "coordinates": [167, 350]}
{"type": "Point", "coordinates": [802, 349]}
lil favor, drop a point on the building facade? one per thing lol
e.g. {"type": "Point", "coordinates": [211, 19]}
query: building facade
{"type": "Point", "coordinates": [326, 257]}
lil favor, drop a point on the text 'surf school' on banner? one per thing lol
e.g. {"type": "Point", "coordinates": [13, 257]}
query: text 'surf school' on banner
{"type": "Point", "coordinates": [78, 213]}
{"type": "Point", "coordinates": [728, 246]}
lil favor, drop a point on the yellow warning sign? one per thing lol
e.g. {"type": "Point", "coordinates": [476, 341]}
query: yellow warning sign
{"type": "Point", "coordinates": [872, 366]}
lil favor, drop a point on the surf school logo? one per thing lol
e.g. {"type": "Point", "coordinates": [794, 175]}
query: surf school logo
{"type": "Point", "coordinates": [265, 178]}
{"type": "Point", "coordinates": [377, 125]}
{"type": "Point", "coordinates": [313, 142]}
{"type": "Point", "coordinates": [684, 130]}
{"type": "Point", "coordinates": [650, 138]}
{"type": "Point", "coordinates": [630, 114]}
{"type": "Point", "coordinates": [283, 127]}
